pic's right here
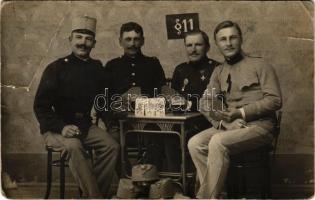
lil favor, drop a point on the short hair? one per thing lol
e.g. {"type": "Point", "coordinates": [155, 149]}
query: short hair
{"type": "Point", "coordinates": [131, 26]}
{"type": "Point", "coordinates": [226, 24]}
{"type": "Point", "coordinates": [202, 33]}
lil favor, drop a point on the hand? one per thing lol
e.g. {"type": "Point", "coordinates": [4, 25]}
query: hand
{"type": "Point", "coordinates": [70, 131]}
{"type": "Point", "coordinates": [236, 124]}
{"type": "Point", "coordinates": [189, 104]}
{"type": "Point", "coordinates": [229, 115]}
{"type": "Point", "coordinates": [93, 115]}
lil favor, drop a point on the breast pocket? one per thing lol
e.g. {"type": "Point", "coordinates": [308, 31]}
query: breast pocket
{"type": "Point", "coordinates": [247, 82]}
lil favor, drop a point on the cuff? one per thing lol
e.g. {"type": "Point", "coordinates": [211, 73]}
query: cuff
{"type": "Point", "coordinates": [220, 125]}
{"type": "Point", "coordinates": [242, 113]}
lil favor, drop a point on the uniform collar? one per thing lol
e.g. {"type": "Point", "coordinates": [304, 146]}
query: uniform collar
{"type": "Point", "coordinates": [237, 58]}
{"type": "Point", "coordinates": [135, 58]}
{"type": "Point", "coordinates": [76, 59]}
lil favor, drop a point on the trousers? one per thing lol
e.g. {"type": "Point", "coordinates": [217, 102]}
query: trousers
{"type": "Point", "coordinates": [211, 149]}
{"type": "Point", "coordinates": [95, 180]}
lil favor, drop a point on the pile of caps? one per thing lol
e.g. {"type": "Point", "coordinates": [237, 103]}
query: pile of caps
{"type": "Point", "coordinates": [146, 184]}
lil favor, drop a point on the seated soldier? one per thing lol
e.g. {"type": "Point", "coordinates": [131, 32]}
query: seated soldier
{"type": "Point", "coordinates": [252, 96]}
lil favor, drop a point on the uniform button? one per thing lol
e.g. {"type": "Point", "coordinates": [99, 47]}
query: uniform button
{"type": "Point", "coordinates": [132, 64]}
{"type": "Point", "coordinates": [133, 84]}
{"type": "Point", "coordinates": [133, 74]}
{"type": "Point", "coordinates": [66, 59]}
{"type": "Point", "coordinates": [210, 61]}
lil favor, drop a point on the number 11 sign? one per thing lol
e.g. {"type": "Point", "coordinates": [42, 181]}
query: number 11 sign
{"type": "Point", "coordinates": [179, 24]}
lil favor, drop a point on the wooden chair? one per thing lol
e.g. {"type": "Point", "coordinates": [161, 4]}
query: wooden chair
{"type": "Point", "coordinates": [62, 164]}
{"type": "Point", "coordinates": [257, 158]}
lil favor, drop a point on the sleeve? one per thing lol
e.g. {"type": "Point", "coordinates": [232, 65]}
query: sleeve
{"type": "Point", "coordinates": [46, 99]}
{"type": "Point", "coordinates": [176, 79]}
{"type": "Point", "coordinates": [205, 101]}
{"type": "Point", "coordinates": [271, 100]}
{"type": "Point", "coordinates": [160, 79]}
{"type": "Point", "coordinates": [106, 114]}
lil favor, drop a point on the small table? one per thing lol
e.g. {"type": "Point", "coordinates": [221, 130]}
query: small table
{"type": "Point", "coordinates": [166, 124]}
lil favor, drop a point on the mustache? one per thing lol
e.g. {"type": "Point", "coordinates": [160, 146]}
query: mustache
{"type": "Point", "coordinates": [132, 47]}
{"type": "Point", "coordinates": [194, 54]}
{"type": "Point", "coordinates": [82, 46]}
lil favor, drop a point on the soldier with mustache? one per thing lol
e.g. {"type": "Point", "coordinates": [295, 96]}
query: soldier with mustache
{"type": "Point", "coordinates": [62, 106]}
{"type": "Point", "coordinates": [133, 70]}
{"type": "Point", "coordinates": [190, 79]}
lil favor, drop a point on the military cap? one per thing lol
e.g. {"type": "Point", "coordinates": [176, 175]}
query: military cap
{"type": "Point", "coordinates": [144, 172]}
{"type": "Point", "coordinates": [84, 23]}
{"type": "Point", "coordinates": [164, 189]}
{"type": "Point", "coordinates": [126, 189]}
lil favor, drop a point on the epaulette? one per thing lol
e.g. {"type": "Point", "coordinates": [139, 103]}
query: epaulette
{"type": "Point", "coordinates": [254, 56]}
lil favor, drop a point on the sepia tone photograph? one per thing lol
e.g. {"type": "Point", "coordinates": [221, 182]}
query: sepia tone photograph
{"type": "Point", "coordinates": [157, 99]}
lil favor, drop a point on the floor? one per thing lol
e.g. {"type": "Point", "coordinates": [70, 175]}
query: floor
{"type": "Point", "coordinates": [37, 191]}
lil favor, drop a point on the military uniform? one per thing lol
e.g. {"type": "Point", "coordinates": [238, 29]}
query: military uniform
{"type": "Point", "coordinates": [69, 85]}
{"type": "Point", "coordinates": [142, 71]}
{"type": "Point", "coordinates": [64, 97]}
{"type": "Point", "coordinates": [191, 79]}
{"type": "Point", "coordinates": [126, 72]}
{"type": "Point", "coordinates": [251, 85]}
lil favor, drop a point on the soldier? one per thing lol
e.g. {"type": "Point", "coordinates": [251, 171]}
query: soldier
{"type": "Point", "coordinates": [252, 96]}
{"type": "Point", "coordinates": [190, 79]}
{"type": "Point", "coordinates": [133, 70]}
{"type": "Point", "coordinates": [62, 106]}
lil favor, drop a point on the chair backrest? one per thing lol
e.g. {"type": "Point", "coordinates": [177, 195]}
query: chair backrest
{"type": "Point", "coordinates": [277, 131]}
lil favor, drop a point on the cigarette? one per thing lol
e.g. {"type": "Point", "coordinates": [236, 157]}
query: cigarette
{"type": "Point", "coordinates": [243, 125]}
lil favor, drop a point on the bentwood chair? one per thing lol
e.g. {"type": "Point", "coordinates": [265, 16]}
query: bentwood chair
{"type": "Point", "coordinates": [62, 164]}
{"type": "Point", "coordinates": [258, 158]}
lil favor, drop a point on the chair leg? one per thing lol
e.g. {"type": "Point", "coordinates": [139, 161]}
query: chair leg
{"type": "Point", "coordinates": [244, 182]}
{"type": "Point", "coordinates": [265, 190]}
{"type": "Point", "coordinates": [49, 173]}
{"type": "Point", "coordinates": [62, 178]}
{"type": "Point", "coordinates": [80, 192]}
{"type": "Point", "coordinates": [268, 179]}
{"type": "Point", "coordinates": [232, 183]}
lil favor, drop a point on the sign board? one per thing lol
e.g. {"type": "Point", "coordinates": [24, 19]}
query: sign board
{"type": "Point", "coordinates": [179, 24]}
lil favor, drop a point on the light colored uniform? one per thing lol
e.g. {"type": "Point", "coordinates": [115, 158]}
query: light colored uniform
{"type": "Point", "coordinates": [254, 88]}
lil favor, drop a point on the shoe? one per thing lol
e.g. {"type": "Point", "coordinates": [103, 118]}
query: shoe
{"type": "Point", "coordinates": [180, 196]}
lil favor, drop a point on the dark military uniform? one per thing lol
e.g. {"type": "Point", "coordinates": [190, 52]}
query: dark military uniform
{"type": "Point", "coordinates": [65, 96]}
{"type": "Point", "coordinates": [126, 72]}
{"type": "Point", "coordinates": [69, 85]}
{"type": "Point", "coordinates": [142, 71]}
{"type": "Point", "coordinates": [190, 80]}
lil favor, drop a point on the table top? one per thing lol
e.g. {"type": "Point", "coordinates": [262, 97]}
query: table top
{"type": "Point", "coordinates": [168, 116]}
